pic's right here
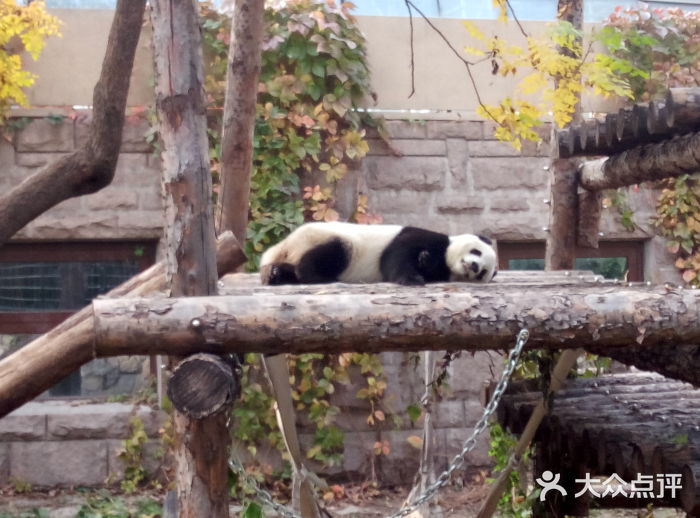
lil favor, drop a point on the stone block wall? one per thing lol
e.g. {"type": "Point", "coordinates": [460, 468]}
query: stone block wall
{"type": "Point", "coordinates": [56, 444]}
{"type": "Point", "coordinates": [447, 175]}
{"type": "Point", "coordinates": [129, 208]}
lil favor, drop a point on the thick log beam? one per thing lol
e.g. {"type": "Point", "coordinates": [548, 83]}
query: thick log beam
{"type": "Point", "coordinates": [682, 362]}
{"type": "Point", "coordinates": [452, 317]}
{"type": "Point", "coordinates": [45, 361]}
{"type": "Point", "coordinates": [651, 162]}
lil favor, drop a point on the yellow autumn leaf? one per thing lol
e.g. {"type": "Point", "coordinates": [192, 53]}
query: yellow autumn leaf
{"type": "Point", "coordinates": [473, 30]}
{"type": "Point", "coordinates": [473, 51]}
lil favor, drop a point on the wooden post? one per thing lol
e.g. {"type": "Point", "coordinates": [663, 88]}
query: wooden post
{"type": "Point", "coordinates": [202, 443]}
{"type": "Point", "coordinates": [236, 169]}
{"type": "Point", "coordinates": [239, 114]}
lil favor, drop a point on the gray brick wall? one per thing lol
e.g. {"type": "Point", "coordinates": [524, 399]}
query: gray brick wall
{"type": "Point", "coordinates": [130, 208]}
{"type": "Point", "coordinates": [59, 444]}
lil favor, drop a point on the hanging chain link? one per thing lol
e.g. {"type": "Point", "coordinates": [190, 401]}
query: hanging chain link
{"type": "Point", "coordinates": [444, 477]}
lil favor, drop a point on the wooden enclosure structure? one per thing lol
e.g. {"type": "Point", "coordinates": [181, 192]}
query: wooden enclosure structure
{"type": "Point", "coordinates": [625, 424]}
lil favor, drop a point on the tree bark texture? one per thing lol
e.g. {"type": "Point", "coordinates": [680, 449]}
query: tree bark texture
{"type": "Point", "coordinates": [201, 445]}
{"type": "Point", "coordinates": [434, 317]}
{"type": "Point", "coordinates": [651, 162]}
{"type": "Point", "coordinates": [563, 220]}
{"type": "Point", "coordinates": [563, 215]}
{"type": "Point", "coordinates": [590, 209]}
{"type": "Point", "coordinates": [91, 167]}
{"type": "Point", "coordinates": [186, 174]}
{"type": "Point", "coordinates": [239, 115]}
{"type": "Point", "coordinates": [681, 362]}
{"type": "Point", "coordinates": [48, 359]}
{"type": "Point", "coordinates": [626, 424]}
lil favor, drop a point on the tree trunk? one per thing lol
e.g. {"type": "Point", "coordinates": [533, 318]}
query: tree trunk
{"type": "Point", "coordinates": [681, 362]}
{"type": "Point", "coordinates": [239, 115]}
{"type": "Point", "coordinates": [382, 318]}
{"type": "Point", "coordinates": [236, 170]}
{"type": "Point", "coordinates": [91, 167]}
{"type": "Point", "coordinates": [201, 445]}
{"type": "Point", "coordinates": [48, 359]}
{"type": "Point", "coordinates": [560, 252]}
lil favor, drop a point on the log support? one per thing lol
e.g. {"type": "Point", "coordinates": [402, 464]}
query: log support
{"type": "Point", "coordinates": [432, 317]}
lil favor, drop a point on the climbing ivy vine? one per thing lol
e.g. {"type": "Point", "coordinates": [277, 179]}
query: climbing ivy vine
{"type": "Point", "coordinates": [308, 131]}
{"type": "Point", "coordinates": [665, 44]}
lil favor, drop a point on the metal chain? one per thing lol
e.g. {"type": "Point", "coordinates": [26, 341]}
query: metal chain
{"type": "Point", "coordinates": [262, 495]}
{"type": "Point", "coordinates": [469, 444]}
{"type": "Point", "coordinates": [444, 477]}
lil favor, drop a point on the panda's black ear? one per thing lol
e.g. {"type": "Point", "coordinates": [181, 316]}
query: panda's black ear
{"type": "Point", "coordinates": [485, 239]}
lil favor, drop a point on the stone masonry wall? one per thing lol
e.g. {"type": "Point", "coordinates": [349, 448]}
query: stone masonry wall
{"type": "Point", "coordinates": [129, 208]}
{"type": "Point", "coordinates": [56, 444]}
{"type": "Point", "coordinates": [450, 176]}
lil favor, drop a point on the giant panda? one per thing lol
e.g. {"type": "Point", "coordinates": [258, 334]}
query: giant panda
{"type": "Point", "coordinates": [352, 253]}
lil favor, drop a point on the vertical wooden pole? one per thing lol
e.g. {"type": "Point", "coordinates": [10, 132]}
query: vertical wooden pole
{"type": "Point", "coordinates": [201, 445]}
{"type": "Point", "coordinates": [239, 114]}
{"type": "Point", "coordinates": [236, 169]}
{"type": "Point", "coordinates": [560, 255]}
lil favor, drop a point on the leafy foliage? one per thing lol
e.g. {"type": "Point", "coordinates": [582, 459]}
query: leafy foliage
{"type": "Point", "coordinates": [103, 505]}
{"type": "Point", "coordinates": [313, 78]}
{"type": "Point", "coordinates": [678, 218]}
{"type": "Point", "coordinates": [21, 28]}
{"type": "Point", "coordinates": [131, 454]}
{"type": "Point", "coordinates": [663, 43]}
{"type": "Point", "coordinates": [559, 68]}
{"type": "Point", "coordinates": [516, 501]}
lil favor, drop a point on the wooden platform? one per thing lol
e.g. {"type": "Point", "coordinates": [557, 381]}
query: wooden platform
{"type": "Point", "coordinates": [625, 424]}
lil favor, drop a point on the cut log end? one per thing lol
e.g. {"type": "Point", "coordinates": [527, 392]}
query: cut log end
{"type": "Point", "coordinates": [203, 385]}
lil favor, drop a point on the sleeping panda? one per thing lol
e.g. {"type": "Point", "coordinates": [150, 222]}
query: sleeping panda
{"type": "Point", "coordinates": [352, 253]}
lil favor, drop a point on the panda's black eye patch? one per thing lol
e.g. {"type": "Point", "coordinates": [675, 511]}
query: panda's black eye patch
{"type": "Point", "coordinates": [475, 252]}
{"type": "Point", "coordinates": [485, 240]}
{"type": "Point", "coordinates": [481, 275]}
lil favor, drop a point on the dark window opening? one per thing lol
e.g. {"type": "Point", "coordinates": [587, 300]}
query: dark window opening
{"type": "Point", "coordinates": [622, 260]}
{"type": "Point", "coordinates": [42, 284]}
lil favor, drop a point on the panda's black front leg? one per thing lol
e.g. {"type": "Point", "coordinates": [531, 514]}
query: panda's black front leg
{"type": "Point", "coordinates": [406, 274]}
{"type": "Point", "coordinates": [276, 274]}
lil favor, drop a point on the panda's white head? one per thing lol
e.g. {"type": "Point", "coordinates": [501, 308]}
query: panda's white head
{"type": "Point", "coordinates": [471, 258]}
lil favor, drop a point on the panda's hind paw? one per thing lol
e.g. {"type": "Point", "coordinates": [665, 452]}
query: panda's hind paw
{"type": "Point", "coordinates": [411, 280]}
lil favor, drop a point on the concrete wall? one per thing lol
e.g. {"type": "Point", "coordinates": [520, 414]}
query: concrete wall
{"type": "Point", "coordinates": [69, 66]}
{"type": "Point", "coordinates": [56, 444]}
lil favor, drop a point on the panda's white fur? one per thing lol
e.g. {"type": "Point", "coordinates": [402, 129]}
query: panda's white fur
{"type": "Point", "coordinates": [364, 245]}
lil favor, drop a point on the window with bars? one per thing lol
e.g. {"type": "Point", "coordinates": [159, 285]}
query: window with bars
{"type": "Point", "coordinates": [41, 284]}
